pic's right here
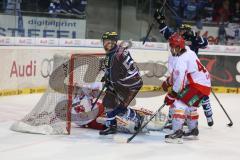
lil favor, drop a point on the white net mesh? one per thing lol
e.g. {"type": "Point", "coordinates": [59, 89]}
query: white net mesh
{"type": "Point", "coordinates": [50, 115]}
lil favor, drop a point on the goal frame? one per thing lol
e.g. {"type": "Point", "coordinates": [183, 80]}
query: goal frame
{"type": "Point", "coordinates": [71, 85]}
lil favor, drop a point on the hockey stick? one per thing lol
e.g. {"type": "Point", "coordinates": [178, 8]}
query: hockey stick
{"type": "Point", "coordinates": [123, 140]}
{"type": "Point", "coordinates": [149, 30]}
{"type": "Point", "coordinates": [161, 128]}
{"type": "Point", "coordinates": [172, 10]}
{"type": "Point", "coordinates": [152, 24]}
{"type": "Point", "coordinates": [229, 124]}
{"type": "Point", "coordinates": [93, 104]}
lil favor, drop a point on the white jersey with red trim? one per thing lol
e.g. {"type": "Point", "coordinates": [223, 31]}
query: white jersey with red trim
{"type": "Point", "coordinates": [171, 63]}
{"type": "Point", "coordinates": [82, 103]}
{"type": "Point", "coordinates": [188, 70]}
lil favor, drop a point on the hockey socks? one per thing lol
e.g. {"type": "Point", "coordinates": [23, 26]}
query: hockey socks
{"type": "Point", "coordinates": [207, 110]}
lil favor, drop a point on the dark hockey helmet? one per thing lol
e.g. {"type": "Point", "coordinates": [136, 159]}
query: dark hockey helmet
{"type": "Point", "coordinates": [176, 40]}
{"type": "Point", "coordinates": [110, 36]}
{"type": "Point", "coordinates": [186, 27]}
{"type": "Point", "coordinates": [186, 31]}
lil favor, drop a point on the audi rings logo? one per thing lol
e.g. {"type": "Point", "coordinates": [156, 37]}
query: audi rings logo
{"type": "Point", "coordinates": [152, 69]}
{"type": "Point", "coordinates": [46, 67]}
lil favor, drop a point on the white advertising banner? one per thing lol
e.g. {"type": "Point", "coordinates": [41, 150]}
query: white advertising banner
{"type": "Point", "coordinates": [30, 64]}
{"type": "Point", "coordinates": [48, 27]}
{"type": "Point", "coordinates": [30, 67]}
{"type": "Point", "coordinates": [64, 42]}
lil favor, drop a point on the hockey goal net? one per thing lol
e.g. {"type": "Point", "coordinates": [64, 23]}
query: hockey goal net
{"type": "Point", "coordinates": [52, 113]}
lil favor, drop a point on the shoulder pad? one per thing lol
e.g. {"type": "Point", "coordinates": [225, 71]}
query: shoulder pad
{"type": "Point", "coordinates": [121, 52]}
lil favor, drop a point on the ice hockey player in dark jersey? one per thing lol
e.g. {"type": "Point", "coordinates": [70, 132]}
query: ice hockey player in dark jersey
{"type": "Point", "coordinates": [123, 82]}
{"type": "Point", "coordinates": [194, 41]}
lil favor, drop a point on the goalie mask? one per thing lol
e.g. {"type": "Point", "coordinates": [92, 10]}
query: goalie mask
{"type": "Point", "coordinates": [109, 40]}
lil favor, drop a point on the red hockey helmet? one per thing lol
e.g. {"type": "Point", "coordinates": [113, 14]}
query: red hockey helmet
{"type": "Point", "coordinates": [176, 40]}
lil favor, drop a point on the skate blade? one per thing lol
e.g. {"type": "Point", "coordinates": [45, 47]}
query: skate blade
{"type": "Point", "coordinates": [191, 138]}
{"type": "Point", "coordinates": [175, 141]}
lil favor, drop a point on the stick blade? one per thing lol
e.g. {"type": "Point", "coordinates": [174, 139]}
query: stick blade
{"type": "Point", "coordinates": [120, 139]}
{"type": "Point", "coordinates": [230, 124]}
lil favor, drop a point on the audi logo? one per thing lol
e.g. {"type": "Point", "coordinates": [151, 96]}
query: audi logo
{"type": "Point", "coordinates": [153, 69]}
{"type": "Point", "coordinates": [46, 67]}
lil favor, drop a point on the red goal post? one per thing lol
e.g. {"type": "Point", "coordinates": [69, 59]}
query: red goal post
{"type": "Point", "coordinates": [96, 59]}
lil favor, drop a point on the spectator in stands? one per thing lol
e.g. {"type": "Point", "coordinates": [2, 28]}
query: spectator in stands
{"type": "Point", "coordinates": [236, 11]}
{"type": "Point", "coordinates": [199, 23]}
{"type": "Point", "coordinates": [208, 10]}
{"type": "Point", "coordinates": [79, 6]}
{"type": "Point", "coordinates": [178, 6]}
{"type": "Point", "coordinates": [54, 7]}
{"type": "Point", "coordinates": [190, 10]}
{"type": "Point", "coordinates": [13, 6]}
{"type": "Point", "coordinates": [76, 7]}
{"type": "Point", "coordinates": [222, 12]}
{"type": "Point", "coordinates": [222, 35]}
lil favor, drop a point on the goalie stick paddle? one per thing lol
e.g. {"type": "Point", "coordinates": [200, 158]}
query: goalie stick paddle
{"type": "Point", "coordinates": [152, 24]}
{"type": "Point", "coordinates": [127, 140]}
{"type": "Point", "coordinates": [230, 123]}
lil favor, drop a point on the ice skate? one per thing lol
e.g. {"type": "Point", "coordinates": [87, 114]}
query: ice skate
{"type": "Point", "coordinates": [112, 129]}
{"type": "Point", "coordinates": [210, 121]}
{"type": "Point", "coordinates": [192, 134]}
{"type": "Point", "coordinates": [176, 137]}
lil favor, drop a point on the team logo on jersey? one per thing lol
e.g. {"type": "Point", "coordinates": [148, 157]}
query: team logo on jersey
{"type": "Point", "coordinates": [79, 109]}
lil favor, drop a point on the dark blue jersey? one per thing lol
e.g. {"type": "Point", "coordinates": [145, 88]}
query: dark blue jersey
{"type": "Point", "coordinates": [121, 70]}
{"type": "Point", "coordinates": [197, 41]}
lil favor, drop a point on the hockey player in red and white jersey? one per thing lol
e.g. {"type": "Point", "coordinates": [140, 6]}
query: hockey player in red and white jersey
{"type": "Point", "coordinates": [84, 114]}
{"type": "Point", "coordinates": [190, 82]}
{"type": "Point", "coordinates": [87, 116]}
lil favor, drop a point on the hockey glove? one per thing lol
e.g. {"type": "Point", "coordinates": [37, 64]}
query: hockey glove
{"type": "Point", "coordinates": [170, 98]}
{"type": "Point", "coordinates": [106, 81]}
{"type": "Point", "coordinates": [166, 85]}
{"type": "Point", "coordinates": [159, 16]}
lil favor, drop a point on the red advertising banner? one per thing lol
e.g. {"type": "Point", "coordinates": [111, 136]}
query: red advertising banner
{"type": "Point", "coordinates": [224, 70]}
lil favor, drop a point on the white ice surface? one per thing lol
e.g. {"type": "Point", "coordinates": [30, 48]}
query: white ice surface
{"type": "Point", "coordinates": [219, 142]}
